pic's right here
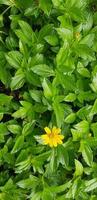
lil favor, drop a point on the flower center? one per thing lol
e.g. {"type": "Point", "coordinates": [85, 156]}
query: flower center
{"type": "Point", "coordinates": [52, 135]}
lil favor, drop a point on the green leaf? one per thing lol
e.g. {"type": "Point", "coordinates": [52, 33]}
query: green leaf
{"type": "Point", "coordinates": [23, 4]}
{"type": "Point", "coordinates": [6, 2]}
{"type": "Point", "coordinates": [14, 58]}
{"type": "Point", "coordinates": [3, 132]}
{"type": "Point", "coordinates": [47, 89]}
{"type": "Point", "coordinates": [94, 129]}
{"type": "Point", "coordinates": [76, 13]}
{"type": "Point", "coordinates": [62, 54]}
{"type": "Point", "coordinates": [65, 33]}
{"type": "Point", "coordinates": [36, 95]}
{"type": "Point", "coordinates": [82, 126]}
{"type": "Point", "coordinates": [18, 144]}
{"type": "Point", "coordinates": [83, 113]}
{"type": "Point", "coordinates": [47, 194]}
{"type": "Point", "coordinates": [28, 128]}
{"type": "Point", "coordinates": [43, 70]}
{"type": "Point", "coordinates": [20, 113]}
{"type": "Point", "coordinates": [27, 30]}
{"type": "Point", "coordinates": [38, 161]}
{"type": "Point", "coordinates": [5, 99]}
{"type": "Point", "coordinates": [78, 168]}
{"type": "Point", "coordinates": [94, 109]}
{"type": "Point", "coordinates": [86, 153]}
{"type": "Point", "coordinates": [44, 31]}
{"type": "Point", "coordinates": [82, 70]}
{"type": "Point", "coordinates": [18, 80]}
{"type": "Point", "coordinates": [45, 6]}
{"type": "Point", "coordinates": [70, 97]}
{"type": "Point", "coordinates": [86, 96]}
{"type": "Point", "coordinates": [91, 185]}
{"type": "Point", "coordinates": [67, 81]}
{"type": "Point", "coordinates": [36, 196]}
{"type": "Point", "coordinates": [32, 78]}
{"type": "Point", "coordinates": [93, 85]}
{"type": "Point", "coordinates": [30, 182]}
{"type": "Point", "coordinates": [36, 59]}
{"type": "Point", "coordinates": [8, 185]}
{"type": "Point", "coordinates": [52, 40]}
{"type": "Point", "coordinates": [5, 75]}
{"type": "Point", "coordinates": [11, 42]}
{"type": "Point", "coordinates": [59, 112]}
{"type": "Point", "coordinates": [70, 118]}
{"type": "Point", "coordinates": [23, 165]}
{"type": "Point", "coordinates": [1, 21]}
{"type": "Point", "coordinates": [84, 52]}
{"type": "Point", "coordinates": [88, 40]}
{"type": "Point", "coordinates": [62, 156]}
{"type": "Point", "coordinates": [38, 48]}
{"type": "Point", "coordinates": [57, 3]}
{"type": "Point", "coordinates": [26, 34]}
{"type": "Point", "coordinates": [72, 193]}
{"type": "Point", "coordinates": [60, 188]}
{"type": "Point", "coordinates": [15, 129]}
{"type": "Point", "coordinates": [52, 161]}
{"type": "Point", "coordinates": [87, 24]}
{"type": "Point", "coordinates": [76, 135]}
{"type": "Point", "coordinates": [24, 111]}
{"type": "Point", "coordinates": [68, 66]}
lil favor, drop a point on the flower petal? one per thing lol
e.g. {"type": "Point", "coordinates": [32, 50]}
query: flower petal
{"type": "Point", "coordinates": [61, 137]}
{"type": "Point", "coordinates": [50, 143]}
{"type": "Point", "coordinates": [45, 139]}
{"type": "Point", "coordinates": [56, 130]}
{"type": "Point", "coordinates": [54, 142]}
{"type": "Point", "coordinates": [47, 130]}
{"type": "Point", "coordinates": [60, 141]}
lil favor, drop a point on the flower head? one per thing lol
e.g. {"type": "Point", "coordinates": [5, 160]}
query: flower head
{"type": "Point", "coordinates": [52, 137]}
{"type": "Point", "coordinates": [77, 35]}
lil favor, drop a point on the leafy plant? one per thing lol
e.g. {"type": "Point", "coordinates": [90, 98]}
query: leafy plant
{"type": "Point", "coordinates": [48, 80]}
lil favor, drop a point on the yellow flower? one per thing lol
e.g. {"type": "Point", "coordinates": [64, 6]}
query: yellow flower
{"type": "Point", "coordinates": [77, 35]}
{"type": "Point", "coordinates": [52, 137]}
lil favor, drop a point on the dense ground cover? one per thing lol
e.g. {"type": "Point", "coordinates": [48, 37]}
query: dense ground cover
{"type": "Point", "coordinates": [48, 99]}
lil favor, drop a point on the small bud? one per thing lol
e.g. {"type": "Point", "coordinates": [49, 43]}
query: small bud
{"type": "Point", "coordinates": [77, 35]}
{"type": "Point", "coordinates": [89, 135]}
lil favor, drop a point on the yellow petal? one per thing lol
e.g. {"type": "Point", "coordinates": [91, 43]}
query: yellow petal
{"type": "Point", "coordinates": [47, 130]}
{"type": "Point", "coordinates": [43, 136]}
{"type": "Point", "coordinates": [61, 137]}
{"type": "Point", "coordinates": [56, 130]}
{"type": "Point", "coordinates": [45, 139]}
{"type": "Point", "coordinates": [54, 143]}
{"type": "Point", "coordinates": [51, 143]}
{"type": "Point", "coordinates": [60, 141]}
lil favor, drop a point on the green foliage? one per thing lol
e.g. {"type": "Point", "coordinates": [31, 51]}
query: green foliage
{"type": "Point", "coordinates": [48, 77]}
